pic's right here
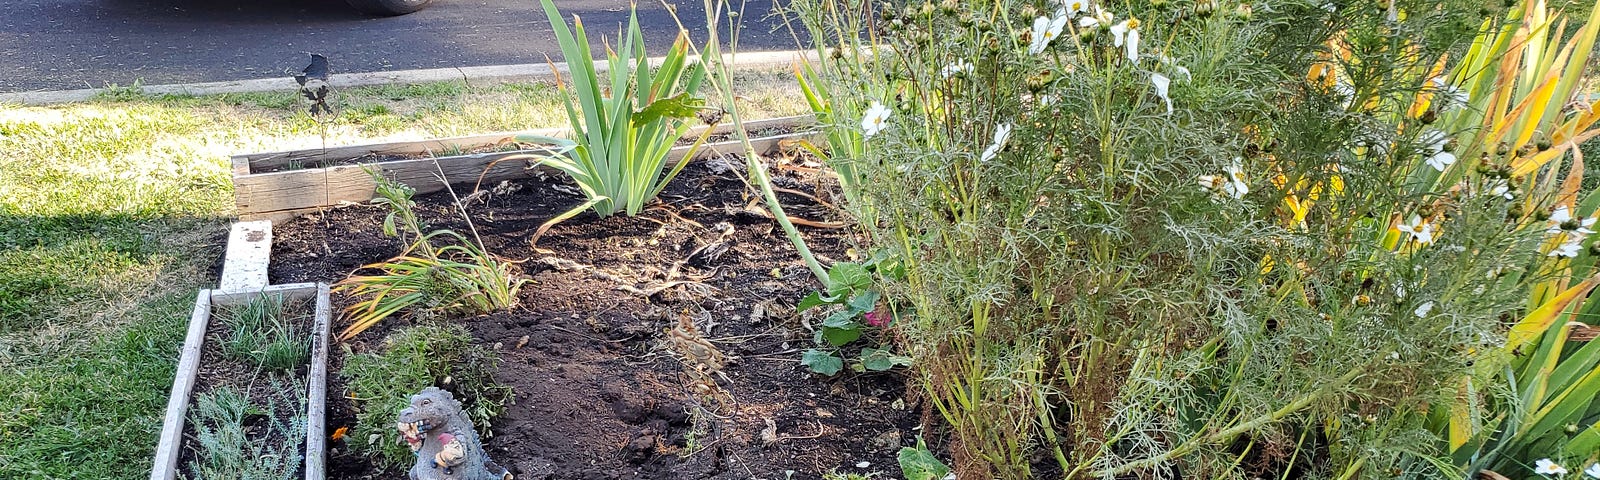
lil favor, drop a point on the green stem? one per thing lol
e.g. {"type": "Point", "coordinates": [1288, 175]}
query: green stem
{"type": "Point", "coordinates": [1228, 434]}
{"type": "Point", "coordinates": [722, 79]}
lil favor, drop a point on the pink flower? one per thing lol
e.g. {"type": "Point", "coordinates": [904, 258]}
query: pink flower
{"type": "Point", "coordinates": [876, 319]}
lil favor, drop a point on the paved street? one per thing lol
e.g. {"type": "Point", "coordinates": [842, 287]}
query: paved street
{"type": "Point", "coordinates": [71, 44]}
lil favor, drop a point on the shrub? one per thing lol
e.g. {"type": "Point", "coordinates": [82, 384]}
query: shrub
{"type": "Point", "coordinates": [1207, 237]}
{"type": "Point", "coordinates": [225, 447]}
{"type": "Point", "coordinates": [408, 361]}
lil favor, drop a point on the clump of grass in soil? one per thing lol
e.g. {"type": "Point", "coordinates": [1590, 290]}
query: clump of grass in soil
{"type": "Point", "coordinates": [237, 439]}
{"type": "Point", "coordinates": [264, 332]}
{"type": "Point", "coordinates": [409, 360]}
{"type": "Point", "coordinates": [111, 213]}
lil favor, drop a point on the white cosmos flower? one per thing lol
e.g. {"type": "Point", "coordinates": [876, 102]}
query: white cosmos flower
{"type": "Point", "coordinates": [1234, 186]}
{"type": "Point", "coordinates": [1182, 70]}
{"type": "Point", "coordinates": [1546, 466]}
{"type": "Point", "coordinates": [876, 119]}
{"type": "Point", "coordinates": [1423, 310]}
{"type": "Point", "coordinates": [1450, 96]}
{"type": "Point", "coordinates": [1433, 144]}
{"type": "Point", "coordinates": [1501, 188]}
{"type": "Point", "coordinates": [1161, 82]}
{"type": "Point", "coordinates": [1100, 18]}
{"type": "Point", "coordinates": [1045, 29]}
{"type": "Point", "coordinates": [1002, 133]}
{"type": "Point", "coordinates": [1420, 231]}
{"type": "Point", "coordinates": [1568, 248]}
{"type": "Point", "coordinates": [1231, 183]}
{"type": "Point", "coordinates": [1127, 34]}
{"type": "Point", "coordinates": [1593, 471]}
{"type": "Point", "coordinates": [1074, 7]}
{"type": "Point", "coordinates": [1562, 215]}
{"type": "Point", "coordinates": [958, 67]}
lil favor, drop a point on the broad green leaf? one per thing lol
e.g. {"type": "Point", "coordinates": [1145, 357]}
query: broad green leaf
{"type": "Point", "coordinates": [842, 319]}
{"type": "Point", "coordinates": [822, 362]}
{"type": "Point", "coordinates": [863, 303]}
{"type": "Point", "coordinates": [838, 337]}
{"type": "Point", "coordinates": [844, 278]}
{"type": "Point", "coordinates": [878, 360]}
{"type": "Point", "coordinates": [920, 464]}
{"type": "Point", "coordinates": [813, 300]}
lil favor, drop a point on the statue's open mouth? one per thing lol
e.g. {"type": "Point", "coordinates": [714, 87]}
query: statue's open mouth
{"type": "Point", "coordinates": [413, 433]}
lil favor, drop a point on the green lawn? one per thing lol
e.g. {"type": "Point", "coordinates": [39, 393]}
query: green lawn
{"type": "Point", "coordinates": [111, 216]}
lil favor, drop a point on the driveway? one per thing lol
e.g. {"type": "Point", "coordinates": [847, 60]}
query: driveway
{"type": "Point", "coordinates": [72, 44]}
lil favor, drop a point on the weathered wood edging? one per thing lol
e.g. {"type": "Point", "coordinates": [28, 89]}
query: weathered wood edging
{"type": "Point", "coordinates": [283, 194]}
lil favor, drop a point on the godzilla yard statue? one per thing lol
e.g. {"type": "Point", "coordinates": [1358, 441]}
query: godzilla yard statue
{"type": "Point", "coordinates": [447, 447]}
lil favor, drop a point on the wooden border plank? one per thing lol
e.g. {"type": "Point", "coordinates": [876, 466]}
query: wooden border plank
{"type": "Point", "coordinates": [288, 190]}
{"type": "Point", "coordinates": [271, 160]}
{"type": "Point", "coordinates": [167, 452]}
{"type": "Point", "coordinates": [317, 389]}
{"type": "Point", "coordinates": [288, 290]}
{"type": "Point", "coordinates": [249, 251]}
{"type": "Point", "coordinates": [353, 185]}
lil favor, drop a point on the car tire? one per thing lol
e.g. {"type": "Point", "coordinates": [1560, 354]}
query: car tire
{"type": "Point", "coordinates": [389, 7]}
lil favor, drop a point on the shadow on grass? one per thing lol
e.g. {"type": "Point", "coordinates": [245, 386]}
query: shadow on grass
{"type": "Point", "coordinates": [93, 311]}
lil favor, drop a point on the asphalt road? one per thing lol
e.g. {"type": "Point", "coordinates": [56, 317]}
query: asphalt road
{"type": "Point", "coordinates": [72, 44]}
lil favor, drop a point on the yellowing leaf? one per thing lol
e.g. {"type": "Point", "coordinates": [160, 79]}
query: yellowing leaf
{"type": "Point", "coordinates": [1536, 322]}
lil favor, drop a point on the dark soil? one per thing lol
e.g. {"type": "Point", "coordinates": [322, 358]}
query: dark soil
{"type": "Point", "coordinates": [378, 158]}
{"type": "Point", "coordinates": [601, 390]}
{"type": "Point", "coordinates": [218, 369]}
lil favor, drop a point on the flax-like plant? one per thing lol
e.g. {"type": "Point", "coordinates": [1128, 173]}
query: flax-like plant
{"type": "Point", "coordinates": [626, 123]}
{"type": "Point", "coordinates": [439, 271]}
{"type": "Point", "coordinates": [1533, 397]}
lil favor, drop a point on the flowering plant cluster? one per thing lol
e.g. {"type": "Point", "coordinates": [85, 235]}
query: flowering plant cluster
{"type": "Point", "coordinates": [1231, 239]}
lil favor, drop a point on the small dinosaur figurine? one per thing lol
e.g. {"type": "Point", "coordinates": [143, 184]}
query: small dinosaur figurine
{"type": "Point", "coordinates": [442, 436]}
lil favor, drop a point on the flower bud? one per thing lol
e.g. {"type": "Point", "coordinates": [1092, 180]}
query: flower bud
{"type": "Point", "coordinates": [1242, 12]}
{"type": "Point", "coordinates": [1029, 11]}
{"type": "Point", "coordinates": [1429, 117]}
{"type": "Point", "coordinates": [1204, 8]}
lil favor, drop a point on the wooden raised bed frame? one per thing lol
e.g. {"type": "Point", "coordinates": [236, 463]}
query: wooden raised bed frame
{"type": "Point", "coordinates": [283, 194]}
{"type": "Point", "coordinates": [170, 448]}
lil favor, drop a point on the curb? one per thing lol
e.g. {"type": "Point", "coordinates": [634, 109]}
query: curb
{"type": "Point", "coordinates": [488, 74]}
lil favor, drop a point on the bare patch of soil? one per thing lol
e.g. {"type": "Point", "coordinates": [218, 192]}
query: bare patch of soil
{"type": "Point", "coordinates": [604, 388]}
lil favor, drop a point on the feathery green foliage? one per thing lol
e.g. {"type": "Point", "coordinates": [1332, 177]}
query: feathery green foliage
{"type": "Point", "coordinates": [409, 360]}
{"type": "Point", "coordinates": [1192, 256]}
{"type": "Point", "coordinates": [226, 448]}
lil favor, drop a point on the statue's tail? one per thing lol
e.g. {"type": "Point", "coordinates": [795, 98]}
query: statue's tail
{"type": "Point", "coordinates": [495, 469]}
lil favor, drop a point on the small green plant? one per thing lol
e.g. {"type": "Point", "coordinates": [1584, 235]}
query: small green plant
{"type": "Point", "coordinates": [920, 464]}
{"type": "Point", "coordinates": [411, 359]}
{"type": "Point", "coordinates": [626, 124]}
{"type": "Point", "coordinates": [226, 447]}
{"type": "Point", "coordinates": [457, 277]}
{"type": "Point", "coordinates": [851, 291]}
{"type": "Point", "coordinates": [263, 334]}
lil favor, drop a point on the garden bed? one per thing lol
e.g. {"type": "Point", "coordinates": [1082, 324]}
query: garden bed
{"type": "Point", "coordinates": [249, 387]}
{"type": "Point", "coordinates": [278, 185]}
{"type": "Point", "coordinates": [589, 349]}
